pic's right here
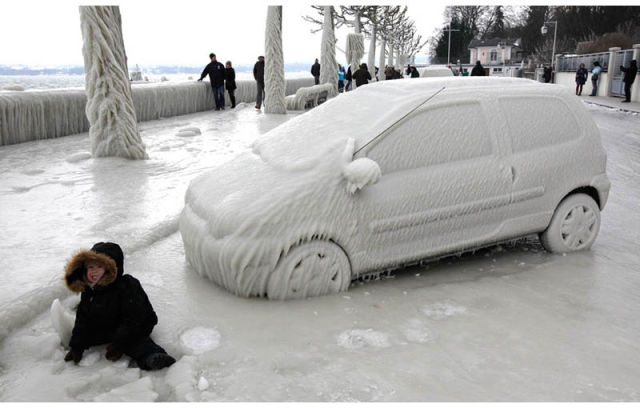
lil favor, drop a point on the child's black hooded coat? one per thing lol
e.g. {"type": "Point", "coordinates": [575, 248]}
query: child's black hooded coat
{"type": "Point", "coordinates": [117, 310]}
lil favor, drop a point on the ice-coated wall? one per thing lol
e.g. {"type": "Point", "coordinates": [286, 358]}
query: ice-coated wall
{"type": "Point", "coordinates": [36, 115]}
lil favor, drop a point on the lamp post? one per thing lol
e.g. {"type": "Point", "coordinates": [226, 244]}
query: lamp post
{"type": "Point", "coordinates": [449, 44]}
{"type": "Point", "coordinates": [543, 30]}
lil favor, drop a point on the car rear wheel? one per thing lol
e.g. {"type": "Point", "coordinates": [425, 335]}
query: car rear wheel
{"type": "Point", "coordinates": [313, 268]}
{"type": "Point", "coordinates": [574, 225]}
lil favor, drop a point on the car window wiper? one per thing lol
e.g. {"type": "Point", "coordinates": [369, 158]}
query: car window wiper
{"type": "Point", "coordinates": [394, 123]}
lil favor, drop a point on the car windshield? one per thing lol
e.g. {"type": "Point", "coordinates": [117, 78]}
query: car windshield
{"type": "Point", "coordinates": [304, 141]}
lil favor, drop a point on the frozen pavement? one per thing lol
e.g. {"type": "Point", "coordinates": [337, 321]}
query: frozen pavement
{"type": "Point", "coordinates": [503, 324]}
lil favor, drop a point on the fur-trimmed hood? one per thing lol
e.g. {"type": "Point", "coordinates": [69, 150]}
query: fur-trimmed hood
{"type": "Point", "coordinates": [107, 254]}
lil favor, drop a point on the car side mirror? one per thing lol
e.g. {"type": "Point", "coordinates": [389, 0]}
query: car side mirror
{"type": "Point", "coordinates": [361, 172]}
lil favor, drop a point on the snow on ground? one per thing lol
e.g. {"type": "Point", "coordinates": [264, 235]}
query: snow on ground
{"type": "Point", "coordinates": [509, 323]}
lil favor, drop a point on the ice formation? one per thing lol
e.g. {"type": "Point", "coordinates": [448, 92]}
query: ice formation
{"type": "Point", "coordinates": [328, 64]}
{"type": "Point", "coordinates": [309, 97]}
{"type": "Point", "coordinates": [357, 339]}
{"type": "Point", "coordinates": [114, 128]}
{"type": "Point", "coordinates": [354, 51]}
{"type": "Point", "coordinates": [62, 321]}
{"type": "Point", "coordinates": [298, 187]}
{"type": "Point", "coordinates": [371, 59]}
{"type": "Point", "coordinates": [433, 71]}
{"type": "Point", "coordinates": [36, 115]}
{"type": "Point", "coordinates": [274, 84]}
{"type": "Point", "coordinates": [199, 340]}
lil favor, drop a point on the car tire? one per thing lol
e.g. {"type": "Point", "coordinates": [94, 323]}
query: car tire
{"type": "Point", "coordinates": [312, 268]}
{"type": "Point", "coordinates": [574, 225]}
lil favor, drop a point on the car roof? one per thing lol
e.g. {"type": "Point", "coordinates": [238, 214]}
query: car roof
{"type": "Point", "coordinates": [367, 111]}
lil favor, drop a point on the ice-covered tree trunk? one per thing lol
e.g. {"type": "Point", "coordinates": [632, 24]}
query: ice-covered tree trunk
{"type": "Point", "coordinates": [329, 65]}
{"type": "Point", "coordinates": [390, 57]}
{"type": "Point", "coordinates": [355, 51]}
{"type": "Point", "coordinates": [383, 44]}
{"type": "Point", "coordinates": [113, 126]}
{"type": "Point", "coordinates": [402, 61]}
{"type": "Point", "coordinates": [371, 60]}
{"type": "Point", "coordinates": [274, 83]}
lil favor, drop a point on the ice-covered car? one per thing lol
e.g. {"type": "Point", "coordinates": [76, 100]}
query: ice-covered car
{"type": "Point", "coordinates": [433, 71]}
{"type": "Point", "coordinates": [394, 173]}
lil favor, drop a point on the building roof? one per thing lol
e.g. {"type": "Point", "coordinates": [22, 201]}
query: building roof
{"type": "Point", "coordinates": [494, 42]}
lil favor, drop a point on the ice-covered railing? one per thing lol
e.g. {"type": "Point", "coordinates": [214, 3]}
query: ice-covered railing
{"type": "Point", "coordinates": [309, 97]}
{"type": "Point", "coordinates": [36, 115]}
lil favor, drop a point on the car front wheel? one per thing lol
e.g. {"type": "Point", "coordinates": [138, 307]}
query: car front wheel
{"type": "Point", "coordinates": [313, 268]}
{"type": "Point", "coordinates": [574, 225]}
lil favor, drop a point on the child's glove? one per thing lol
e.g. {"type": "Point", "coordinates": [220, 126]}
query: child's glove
{"type": "Point", "coordinates": [75, 355]}
{"type": "Point", "coordinates": [113, 354]}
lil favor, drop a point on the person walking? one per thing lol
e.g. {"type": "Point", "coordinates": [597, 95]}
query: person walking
{"type": "Point", "coordinates": [595, 75]}
{"type": "Point", "coordinates": [348, 78]}
{"type": "Point", "coordinates": [581, 78]}
{"type": "Point", "coordinates": [388, 73]}
{"type": "Point", "coordinates": [216, 73]}
{"type": "Point", "coordinates": [629, 77]}
{"type": "Point", "coordinates": [315, 71]}
{"type": "Point", "coordinates": [478, 70]}
{"type": "Point", "coordinates": [258, 75]}
{"type": "Point", "coordinates": [230, 83]}
{"type": "Point", "coordinates": [362, 75]}
{"type": "Point", "coordinates": [340, 78]}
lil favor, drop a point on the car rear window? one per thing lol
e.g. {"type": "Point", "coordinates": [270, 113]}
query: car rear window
{"type": "Point", "coordinates": [440, 134]}
{"type": "Point", "coordinates": [536, 122]}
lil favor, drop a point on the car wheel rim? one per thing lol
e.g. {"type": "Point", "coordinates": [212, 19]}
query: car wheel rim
{"type": "Point", "coordinates": [579, 227]}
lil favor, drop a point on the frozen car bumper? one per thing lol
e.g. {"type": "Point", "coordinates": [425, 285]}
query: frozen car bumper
{"type": "Point", "coordinates": [242, 265]}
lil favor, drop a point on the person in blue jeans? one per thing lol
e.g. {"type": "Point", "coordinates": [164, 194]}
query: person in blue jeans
{"type": "Point", "coordinates": [216, 72]}
{"type": "Point", "coordinates": [595, 75]}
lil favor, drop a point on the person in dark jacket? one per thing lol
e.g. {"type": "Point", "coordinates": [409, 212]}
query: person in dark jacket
{"type": "Point", "coordinates": [216, 73]}
{"type": "Point", "coordinates": [113, 309]}
{"type": "Point", "coordinates": [414, 72]}
{"type": "Point", "coordinates": [349, 78]}
{"type": "Point", "coordinates": [315, 71]}
{"type": "Point", "coordinates": [362, 75]}
{"type": "Point", "coordinates": [581, 78]}
{"type": "Point", "coordinates": [230, 83]}
{"type": "Point", "coordinates": [629, 77]}
{"type": "Point", "coordinates": [388, 73]}
{"type": "Point", "coordinates": [547, 74]}
{"type": "Point", "coordinates": [258, 75]}
{"type": "Point", "coordinates": [478, 70]}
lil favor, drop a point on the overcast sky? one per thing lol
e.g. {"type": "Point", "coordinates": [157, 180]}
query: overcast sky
{"type": "Point", "coordinates": [36, 32]}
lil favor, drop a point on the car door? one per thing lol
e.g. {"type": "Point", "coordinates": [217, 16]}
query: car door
{"type": "Point", "coordinates": [443, 186]}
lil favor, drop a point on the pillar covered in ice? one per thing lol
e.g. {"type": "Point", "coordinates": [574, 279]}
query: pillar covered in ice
{"type": "Point", "coordinates": [112, 118]}
{"type": "Point", "coordinates": [355, 51]}
{"type": "Point", "coordinates": [274, 89]}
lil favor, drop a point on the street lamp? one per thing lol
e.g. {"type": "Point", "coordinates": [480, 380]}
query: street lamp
{"type": "Point", "coordinates": [449, 45]}
{"type": "Point", "coordinates": [543, 30]}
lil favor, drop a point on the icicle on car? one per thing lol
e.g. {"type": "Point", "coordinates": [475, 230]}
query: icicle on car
{"type": "Point", "coordinates": [393, 173]}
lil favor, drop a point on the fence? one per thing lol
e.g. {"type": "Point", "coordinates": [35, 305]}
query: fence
{"type": "Point", "coordinates": [572, 63]}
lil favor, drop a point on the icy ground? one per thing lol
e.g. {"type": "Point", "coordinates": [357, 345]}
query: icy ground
{"type": "Point", "coordinates": [510, 323]}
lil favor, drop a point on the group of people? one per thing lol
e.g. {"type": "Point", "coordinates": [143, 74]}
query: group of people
{"type": "Point", "coordinates": [222, 78]}
{"type": "Point", "coordinates": [629, 78]}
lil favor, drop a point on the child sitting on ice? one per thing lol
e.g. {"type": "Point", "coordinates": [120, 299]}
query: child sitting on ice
{"type": "Point", "coordinates": [113, 309]}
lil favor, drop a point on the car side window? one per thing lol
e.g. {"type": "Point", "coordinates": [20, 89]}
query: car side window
{"type": "Point", "coordinates": [536, 122]}
{"type": "Point", "coordinates": [432, 136]}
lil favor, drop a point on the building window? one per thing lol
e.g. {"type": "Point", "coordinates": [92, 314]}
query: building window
{"type": "Point", "coordinates": [494, 55]}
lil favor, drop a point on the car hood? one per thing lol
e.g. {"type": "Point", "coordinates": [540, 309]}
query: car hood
{"type": "Point", "coordinates": [247, 191]}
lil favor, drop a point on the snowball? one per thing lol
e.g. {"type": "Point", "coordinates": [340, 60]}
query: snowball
{"type": "Point", "coordinates": [76, 157]}
{"type": "Point", "coordinates": [199, 340]}
{"type": "Point", "coordinates": [357, 339]}
{"type": "Point", "coordinates": [139, 391]}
